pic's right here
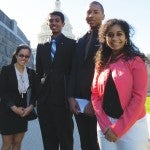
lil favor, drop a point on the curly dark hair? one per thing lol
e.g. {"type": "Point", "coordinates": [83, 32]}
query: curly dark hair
{"type": "Point", "coordinates": [129, 50]}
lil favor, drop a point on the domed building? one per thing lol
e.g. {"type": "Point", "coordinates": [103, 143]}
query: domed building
{"type": "Point", "coordinates": [45, 32]}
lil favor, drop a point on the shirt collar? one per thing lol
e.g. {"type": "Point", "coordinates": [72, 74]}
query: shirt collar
{"type": "Point", "coordinates": [57, 38]}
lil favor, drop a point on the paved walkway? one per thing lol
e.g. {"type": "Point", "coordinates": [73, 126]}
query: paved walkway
{"type": "Point", "coordinates": [33, 141]}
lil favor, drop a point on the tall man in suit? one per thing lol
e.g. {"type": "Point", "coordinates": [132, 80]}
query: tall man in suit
{"type": "Point", "coordinates": [53, 70]}
{"type": "Point", "coordinates": [82, 75]}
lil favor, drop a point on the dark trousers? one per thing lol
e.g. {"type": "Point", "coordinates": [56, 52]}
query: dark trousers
{"type": "Point", "coordinates": [43, 121]}
{"type": "Point", "coordinates": [56, 125]}
{"type": "Point", "coordinates": [87, 127]}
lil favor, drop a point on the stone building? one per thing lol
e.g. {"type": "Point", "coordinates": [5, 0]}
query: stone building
{"type": "Point", "coordinates": [10, 37]}
{"type": "Point", "coordinates": [45, 32]}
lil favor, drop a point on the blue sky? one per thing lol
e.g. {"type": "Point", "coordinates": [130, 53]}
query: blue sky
{"type": "Point", "coordinates": [30, 14]}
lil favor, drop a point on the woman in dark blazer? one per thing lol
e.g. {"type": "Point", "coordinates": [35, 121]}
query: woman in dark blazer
{"type": "Point", "coordinates": [15, 79]}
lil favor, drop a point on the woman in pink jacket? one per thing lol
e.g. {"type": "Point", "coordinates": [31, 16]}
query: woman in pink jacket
{"type": "Point", "coordinates": [119, 89]}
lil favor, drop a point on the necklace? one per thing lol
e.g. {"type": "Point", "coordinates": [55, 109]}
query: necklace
{"type": "Point", "coordinates": [22, 85]}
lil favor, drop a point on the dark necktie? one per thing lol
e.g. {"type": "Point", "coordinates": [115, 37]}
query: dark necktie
{"type": "Point", "coordinates": [53, 48]}
{"type": "Point", "coordinates": [88, 45]}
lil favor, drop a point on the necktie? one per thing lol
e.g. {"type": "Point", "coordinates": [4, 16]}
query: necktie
{"type": "Point", "coordinates": [53, 48]}
{"type": "Point", "coordinates": [88, 45]}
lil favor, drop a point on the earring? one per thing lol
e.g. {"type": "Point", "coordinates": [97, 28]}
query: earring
{"type": "Point", "coordinates": [126, 43]}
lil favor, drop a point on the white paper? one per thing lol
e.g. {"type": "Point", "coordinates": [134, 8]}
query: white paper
{"type": "Point", "coordinates": [82, 104]}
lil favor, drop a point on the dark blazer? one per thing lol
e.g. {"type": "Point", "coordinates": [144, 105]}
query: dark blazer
{"type": "Point", "coordinates": [9, 86]}
{"type": "Point", "coordinates": [57, 71]}
{"type": "Point", "coordinates": [83, 68]}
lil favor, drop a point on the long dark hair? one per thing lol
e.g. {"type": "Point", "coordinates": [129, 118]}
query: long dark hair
{"type": "Point", "coordinates": [18, 49]}
{"type": "Point", "coordinates": [129, 50]}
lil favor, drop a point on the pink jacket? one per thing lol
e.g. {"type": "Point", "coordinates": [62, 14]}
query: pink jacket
{"type": "Point", "coordinates": [131, 80]}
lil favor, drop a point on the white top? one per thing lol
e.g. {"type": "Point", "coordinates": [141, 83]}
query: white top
{"type": "Point", "coordinates": [23, 81]}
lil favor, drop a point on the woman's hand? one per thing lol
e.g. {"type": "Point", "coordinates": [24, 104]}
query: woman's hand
{"type": "Point", "coordinates": [110, 135]}
{"type": "Point", "coordinates": [18, 110]}
{"type": "Point", "coordinates": [27, 110]}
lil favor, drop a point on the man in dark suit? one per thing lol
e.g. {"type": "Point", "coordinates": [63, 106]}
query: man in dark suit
{"type": "Point", "coordinates": [53, 70]}
{"type": "Point", "coordinates": [82, 75]}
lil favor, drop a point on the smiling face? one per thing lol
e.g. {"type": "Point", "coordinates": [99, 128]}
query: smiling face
{"type": "Point", "coordinates": [55, 24]}
{"type": "Point", "coordinates": [23, 57]}
{"type": "Point", "coordinates": [95, 15]}
{"type": "Point", "coordinates": [115, 38]}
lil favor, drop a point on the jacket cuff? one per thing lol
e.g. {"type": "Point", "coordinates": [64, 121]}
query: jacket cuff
{"type": "Point", "coordinates": [10, 104]}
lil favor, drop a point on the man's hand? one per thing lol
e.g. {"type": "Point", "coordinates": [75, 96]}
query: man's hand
{"type": "Point", "coordinates": [74, 107]}
{"type": "Point", "coordinates": [89, 109]}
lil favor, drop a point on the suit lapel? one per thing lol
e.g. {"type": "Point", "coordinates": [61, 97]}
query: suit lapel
{"type": "Point", "coordinates": [29, 75]}
{"type": "Point", "coordinates": [81, 48]}
{"type": "Point", "coordinates": [14, 77]}
{"type": "Point", "coordinates": [59, 47]}
{"type": "Point", "coordinates": [48, 52]}
{"type": "Point", "coordinates": [93, 47]}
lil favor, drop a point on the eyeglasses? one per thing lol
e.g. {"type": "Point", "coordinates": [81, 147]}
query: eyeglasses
{"type": "Point", "coordinates": [25, 56]}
